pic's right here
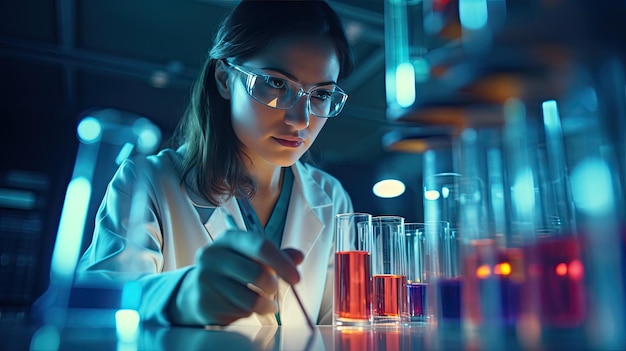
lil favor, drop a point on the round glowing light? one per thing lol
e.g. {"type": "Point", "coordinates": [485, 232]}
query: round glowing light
{"type": "Point", "coordinates": [483, 271]}
{"type": "Point", "coordinates": [503, 268]}
{"type": "Point", "coordinates": [388, 188]}
{"type": "Point", "coordinates": [148, 135]}
{"type": "Point", "coordinates": [127, 324]}
{"type": "Point", "coordinates": [576, 270]}
{"type": "Point", "coordinates": [445, 192]}
{"type": "Point", "coordinates": [561, 269]}
{"type": "Point", "coordinates": [405, 85]}
{"type": "Point", "coordinates": [148, 140]}
{"type": "Point", "coordinates": [89, 130]}
{"type": "Point", "coordinates": [431, 195]}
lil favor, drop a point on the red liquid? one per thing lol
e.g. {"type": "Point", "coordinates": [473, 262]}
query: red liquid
{"type": "Point", "coordinates": [417, 300]}
{"type": "Point", "coordinates": [353, 285]}
{"type": "Point", "coordinates": [556, 266]}
{"type": "Point", "coordinates": [392, 339]}
{"type": "Point", "coordinates": [353, 339]}
{"type": "Point", "coordinates": [390, 295]}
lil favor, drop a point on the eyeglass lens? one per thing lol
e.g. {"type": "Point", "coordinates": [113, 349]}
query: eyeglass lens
{"type": "Point", "coordinates": [324, 101]}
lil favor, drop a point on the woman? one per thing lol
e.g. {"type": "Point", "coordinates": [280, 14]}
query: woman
{"type": "Point", "coordinates": [264, 93]}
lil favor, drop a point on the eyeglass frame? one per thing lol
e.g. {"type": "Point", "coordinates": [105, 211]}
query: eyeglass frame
{"type": "Point", "coordinates": [301, 92]}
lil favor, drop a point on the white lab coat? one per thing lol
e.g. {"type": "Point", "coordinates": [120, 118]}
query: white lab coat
{"type": "Point", "coordinates": [164, 248]}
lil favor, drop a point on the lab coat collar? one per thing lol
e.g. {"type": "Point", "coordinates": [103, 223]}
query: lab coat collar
{"type": "Point", "coordinates": [308, 205]}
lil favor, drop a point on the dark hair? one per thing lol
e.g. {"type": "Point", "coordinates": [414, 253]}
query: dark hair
{"type": "Point", "coordinates": [206, 127]}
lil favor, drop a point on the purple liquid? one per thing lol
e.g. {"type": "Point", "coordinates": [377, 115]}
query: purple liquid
{"type": "Point", "coordinates": [417, 300]}
{"type": "Point", "coordinates": [450, 295]}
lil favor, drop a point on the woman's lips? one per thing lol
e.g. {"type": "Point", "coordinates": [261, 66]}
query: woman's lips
{"type": "Point", "coordinates": [292, 143]}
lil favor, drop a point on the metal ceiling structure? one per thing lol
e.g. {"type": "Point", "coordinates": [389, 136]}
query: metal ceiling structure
{"type": "Point", "coordinates": [59, 59]}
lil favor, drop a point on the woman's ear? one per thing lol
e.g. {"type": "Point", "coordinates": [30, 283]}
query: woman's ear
{"type": "Point", "coordinates": [222, 79]}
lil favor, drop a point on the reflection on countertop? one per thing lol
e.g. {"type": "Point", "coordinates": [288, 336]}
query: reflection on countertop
{"type": "Point", "coordinates": [26, 336]}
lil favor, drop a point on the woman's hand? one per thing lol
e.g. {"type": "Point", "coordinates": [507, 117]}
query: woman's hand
{"type": "Point", "coordinates": [234, 277]}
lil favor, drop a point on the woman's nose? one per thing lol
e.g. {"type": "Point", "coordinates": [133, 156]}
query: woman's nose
{"type": "Point", "coordinates": [298, 115]}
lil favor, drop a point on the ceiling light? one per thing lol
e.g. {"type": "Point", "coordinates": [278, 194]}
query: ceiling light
{"type": "Point", "coordinates": [388, 188]}
{"type": "Point", "coordinates": [431, 195]}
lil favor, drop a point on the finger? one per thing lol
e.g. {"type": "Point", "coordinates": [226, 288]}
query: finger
{"type": "Point", "coordinates": [267, 281]}
{"type": "Point", "coordinates": [265, 305]}
{"type": "Point", "coordinates": [259, 248]}
{"type": "Point", "coordinates": [245, 299]}
{"type": "Point", "coordinates": [258, 290]}
{"type": "Point", "coordinates": [296, 255]}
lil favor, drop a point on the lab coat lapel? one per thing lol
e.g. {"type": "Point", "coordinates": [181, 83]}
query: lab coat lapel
{"type": "Point", "coordinates": [308, 205]}
{"type": "Point", "coordinates": [217, 223]}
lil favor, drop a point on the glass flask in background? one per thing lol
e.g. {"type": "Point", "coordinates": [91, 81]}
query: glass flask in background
{"type": "Point", "coordinates": [591, 114]}
{"type": "Point", "coordinates": [107, 137]}
{"type": "Point", "coordinates": [492, 257]}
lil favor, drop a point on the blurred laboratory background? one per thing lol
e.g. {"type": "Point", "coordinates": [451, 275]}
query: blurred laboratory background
{"type": "Point", "coordinates": [502, 117]}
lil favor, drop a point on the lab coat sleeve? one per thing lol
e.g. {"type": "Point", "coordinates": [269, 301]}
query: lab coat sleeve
{"type": "Point", "coordinates": [121, 251]}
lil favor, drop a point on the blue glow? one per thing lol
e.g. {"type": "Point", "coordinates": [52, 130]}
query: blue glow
{"type": "Point", "coordinates": [405, 85]}
{"type": "Point", "coordinates": [551, 114]}
{"type": "Point", "coordinates": [148, 135]}
{"type": "Point", "coordinates": [148, 140]}
{"type": "Point", "coordinates": [422, 70]}
{"type": "Point", "coordinates": [389, 188]}
{"type": "Point", "coordinates": [127, 346]}
{"type": "Point", "coordinates": [46, 338]}
{"type": "Point", "coordinates": [473, 13]}
{"type": "Point", "coordinates": [445, 192]}
{"type": "Point", "coordinates": [524, 192]}
{"type": "Point", "coordinates": [592, 188]}
{"type": "Point", "coordinates": [131, 295]}
{"type": "Point", "coordinates": [89, 130]}
{"type": "Point", "coordinates": [71, 227]}
{"type": "Point", "coordinates": [20, 199]}
{"type": "Point", "coordinates": [124, 153]}
{"type": "Point", "coordinates": [127, 325]}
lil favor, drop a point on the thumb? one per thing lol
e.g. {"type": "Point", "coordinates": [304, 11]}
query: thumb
{"type": "Point", "coordinates": [296, 255]}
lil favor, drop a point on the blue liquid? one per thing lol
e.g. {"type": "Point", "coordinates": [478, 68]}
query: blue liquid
{"type": "Point", "coordinates": [417, 301]}
{"type": "Point", "coordinates": [450, 297]}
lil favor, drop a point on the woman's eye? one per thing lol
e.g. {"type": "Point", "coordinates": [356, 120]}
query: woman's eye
{"type": "Point", "coordinates": [275, 82]}
{"type": "Point", "coordinates": [322, 94]}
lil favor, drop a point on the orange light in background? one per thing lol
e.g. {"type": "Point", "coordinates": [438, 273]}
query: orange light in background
{"type": "Point", "coordinates": [503, 268]}
{"type": "Point", "coordinates": [439, 5]}
{"type": "Point", "coordinates": [483, 271]}
{"type": "Point", "coordinates": [561, 269]}
{"type": "Point", "coordinates": [576, 270]}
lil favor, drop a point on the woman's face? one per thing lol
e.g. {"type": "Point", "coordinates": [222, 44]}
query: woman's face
{"type": "Point", "coordinates": [281, 137]}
